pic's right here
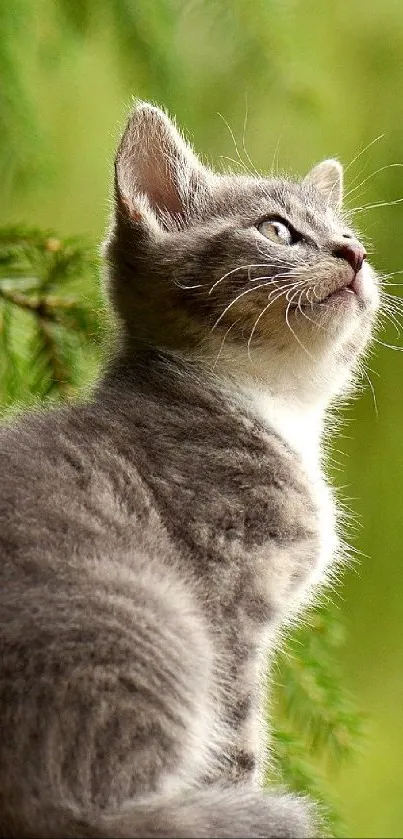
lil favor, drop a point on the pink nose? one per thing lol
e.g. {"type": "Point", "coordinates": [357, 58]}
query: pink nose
{"type": "Point", "coordinates": [353, 253]}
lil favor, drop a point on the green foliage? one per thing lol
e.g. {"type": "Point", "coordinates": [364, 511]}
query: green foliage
{"type": "Point", "coordinates": [315, 720]}
{"type": "Point", "coordinates": [19, 140]}
{"type": "Point", "coordinates": [49, 336]}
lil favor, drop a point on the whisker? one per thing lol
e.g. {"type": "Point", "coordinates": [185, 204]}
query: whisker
{"type": "Point", "coordinates": [243, 293]}
{"type": "Point", "coordinates": [390, 298]}
{"type": "Point", "coordinates": [274, 163]}
{"type": "Point", "coordinates": [297, 284]}
{"type": "Point", "coordinates": [287, 320]}
{"type": "Point", "coordinates": [391, 304]}
{"type": "Point", "coordinates": [392, 320]}
{"type": "Point", "coordinates": [235, 162]}
{"type": "Point", "coordinates": [374, 206]}
{"type": "Point", "coordinates": [368, 146]}
{"type": "Point", "coordinates": [253, 167]}
{"type": "Point", "coordinates": [300, 309]}
{"type": "Point", "coordinates": [372, 175]}
{"type": "Point", "coordinates": [262, 313]}
{"type": "Point", "coordinates": [234, 270]}
{"type": "Point", "coordinates": [391, 274]}
{"type": "Point", "coordinates": [188, 287]}
{"type": "Point", "coordinates": [388, 346]}
{"type": "Point", "coordinates": [242, 162]}
{"type": "Point", "coordinates": [248, 268]}
{"type": "Point", "coordinates": [391, 307]}
{"type": "Point", "coordinates": [223, 342]}
{"type": "Point", "coordinates": [374, 372]}
{"type": "Point", "coordinates": [356, 178]}
{"type": "Point", "coordinates": [372, 391]}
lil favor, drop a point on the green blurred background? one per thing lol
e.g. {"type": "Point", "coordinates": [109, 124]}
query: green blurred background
{"type": "Point", "coordinates": [300, 80]}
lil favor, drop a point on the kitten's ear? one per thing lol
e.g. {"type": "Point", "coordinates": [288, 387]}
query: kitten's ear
{"type": "Point", "coordinates": [157, 175]}
{"type": "Point", "coordinates": [327, 177]}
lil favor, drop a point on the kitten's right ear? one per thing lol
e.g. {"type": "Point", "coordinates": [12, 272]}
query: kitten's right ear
{"type": "Point", "coordinates": [157, 175]}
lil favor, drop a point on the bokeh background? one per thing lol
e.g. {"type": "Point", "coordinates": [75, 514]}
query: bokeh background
{"type": "Point", "coordinates": [297, 81]}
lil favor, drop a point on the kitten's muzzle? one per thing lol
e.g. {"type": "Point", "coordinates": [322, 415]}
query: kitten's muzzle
{"type": "Point", "coordinates": [354, 285]}
{"type": "Point", "coordinates": [341, 283]}
{"type": "Point", "coordinates": [353, 252]}
{"type": "Point", "coordinates": [346, 276]}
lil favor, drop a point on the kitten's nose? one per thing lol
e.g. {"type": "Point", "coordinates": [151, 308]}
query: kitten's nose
{"type": "Point", "coordinates": [353, 252]}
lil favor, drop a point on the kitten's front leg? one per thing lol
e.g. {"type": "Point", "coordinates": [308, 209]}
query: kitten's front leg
{"type": "Point", "coordinates": [247, 749]}
{"type": "Point", "coordinates": [242, 750]}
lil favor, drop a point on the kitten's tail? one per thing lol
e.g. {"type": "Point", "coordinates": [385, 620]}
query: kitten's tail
{"type": "Point", "coordinates": [224, 813]}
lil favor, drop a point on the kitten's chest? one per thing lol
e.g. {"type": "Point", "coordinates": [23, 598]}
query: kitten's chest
{"type": "Point", "coordinates": [251, 520]}
{"type": "Point", "coordinates": [300, 428]}
{"type": "Point", "coordinates": [326, 522]}
{"type": "Point", "coordinates": [272, 553]}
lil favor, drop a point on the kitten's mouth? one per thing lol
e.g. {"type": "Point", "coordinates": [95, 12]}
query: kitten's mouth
{"type": "Point", "coordinates": [353, 290]}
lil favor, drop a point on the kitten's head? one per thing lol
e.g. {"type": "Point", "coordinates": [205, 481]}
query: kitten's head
{"type": "Point", "coordinates": [261, 277]}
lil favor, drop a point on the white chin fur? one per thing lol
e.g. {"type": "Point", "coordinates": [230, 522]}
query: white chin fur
{"type": "Point", "coordinates": [315, 365]}
{"type": "Point", "coordinates": [369, 287]}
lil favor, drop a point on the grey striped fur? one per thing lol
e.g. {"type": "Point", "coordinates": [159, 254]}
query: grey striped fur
{"type": "Point", "coordinates": [155, 537]}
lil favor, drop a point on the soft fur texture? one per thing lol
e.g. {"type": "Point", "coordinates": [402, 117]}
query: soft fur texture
{"type": "Point", "coordinates": [155, 537]}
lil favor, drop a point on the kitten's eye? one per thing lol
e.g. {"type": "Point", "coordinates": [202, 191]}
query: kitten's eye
{"type": "Point", "coordinates": [277, 231]}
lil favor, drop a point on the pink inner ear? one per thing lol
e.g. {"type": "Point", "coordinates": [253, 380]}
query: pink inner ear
{"type": "Point", "coordinates": [155, 163]}
{"type": "Point", "coordinates": [129, 209]}
{"type": "Point", "coordinates": [157, 180]}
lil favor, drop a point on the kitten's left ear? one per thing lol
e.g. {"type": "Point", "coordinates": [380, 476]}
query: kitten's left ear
{"type": "Point", "coordinates": [327, 177]}
{"type": "Point", "coordinates": [157, 174]}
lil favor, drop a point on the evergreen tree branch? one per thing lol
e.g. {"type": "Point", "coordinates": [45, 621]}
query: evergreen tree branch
{"type": "Point", "coordinates": [46, 328]}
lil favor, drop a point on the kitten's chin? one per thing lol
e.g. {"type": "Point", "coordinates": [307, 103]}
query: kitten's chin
{"type": "Point", "coordinates": [310, 351]}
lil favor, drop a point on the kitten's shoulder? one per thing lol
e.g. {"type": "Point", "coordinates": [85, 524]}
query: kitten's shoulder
{"type": "Point", "coordinates": [51, 456]}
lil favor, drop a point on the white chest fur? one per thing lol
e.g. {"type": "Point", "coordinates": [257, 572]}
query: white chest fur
{"type": "Point", "coordinates": [301, 427]}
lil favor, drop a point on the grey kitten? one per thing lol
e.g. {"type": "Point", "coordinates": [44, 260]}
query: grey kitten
{"type": "Point", "coordinates": [157, 536]}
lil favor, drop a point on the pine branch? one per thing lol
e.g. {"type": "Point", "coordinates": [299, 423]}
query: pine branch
{"type": "Point", "coordinates": [312, 696]}
{"type": "Point", "coordinates": [316, 724]}
{"type": "Point", "coordinates": [46, 328]}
